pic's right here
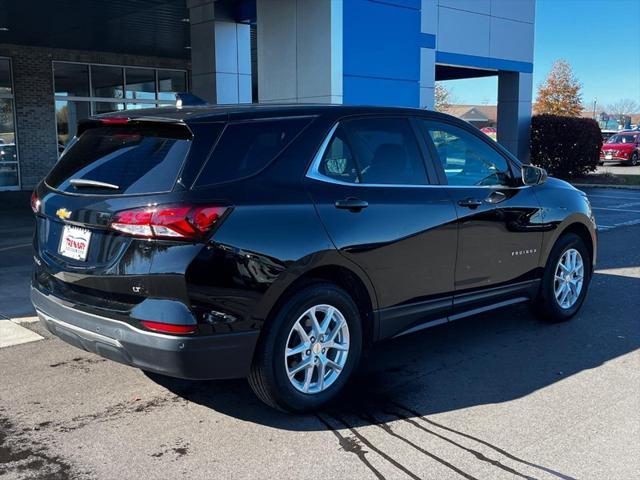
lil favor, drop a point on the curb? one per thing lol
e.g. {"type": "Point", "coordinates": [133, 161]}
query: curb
{"type": "Point", "coordinates": [604, 185]}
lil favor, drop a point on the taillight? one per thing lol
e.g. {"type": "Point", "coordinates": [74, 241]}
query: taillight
{"type": "Point", "coordinates": [35, 202]}
{"type": "Point", "coordinates": [169, 328]}
{"type": "Point", "coordinates": [168, 221]}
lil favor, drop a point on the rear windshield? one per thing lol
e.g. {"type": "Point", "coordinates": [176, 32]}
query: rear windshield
{"type": "Point", "coordinates": [135, 158]}
{"type": "Point", "coordinates": [246, 148]}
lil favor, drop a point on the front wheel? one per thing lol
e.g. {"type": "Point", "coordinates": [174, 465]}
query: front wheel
{"type": "Point", "coordinates": [634, 159]}
{"type": "Point", "coordinates": [309, 350]}
{"type": "Point", "coordinates": [565, 280]}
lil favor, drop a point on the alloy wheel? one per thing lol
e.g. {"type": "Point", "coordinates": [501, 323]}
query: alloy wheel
{"type": "Point", "coordinates": [317, 348]}
{"type": "Point", "coordinates": [568, 278]}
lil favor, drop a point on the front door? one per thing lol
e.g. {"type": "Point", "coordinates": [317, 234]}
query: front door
{"type": "Point", "coordinates": [374, 197]}
{"type": "Point", "coordinates": [499, 219]}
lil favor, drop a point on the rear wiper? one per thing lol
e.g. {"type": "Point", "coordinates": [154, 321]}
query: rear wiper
{"type": "Point", "coordinates": [79, 183]}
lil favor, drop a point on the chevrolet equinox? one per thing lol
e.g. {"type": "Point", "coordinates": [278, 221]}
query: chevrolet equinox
{"type": "Point", "coordinates": [278, 242]}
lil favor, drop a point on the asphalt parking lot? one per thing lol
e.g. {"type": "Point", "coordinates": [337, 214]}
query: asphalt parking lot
{"type": "Point", "coordinates": [497, 396]}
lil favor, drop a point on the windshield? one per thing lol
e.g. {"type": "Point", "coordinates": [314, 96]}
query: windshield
{"type": "Point", "coordinates": [622, 139]}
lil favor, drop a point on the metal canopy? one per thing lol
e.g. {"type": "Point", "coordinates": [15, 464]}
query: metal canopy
{"type": "Point", "coordinates": [140, 27]}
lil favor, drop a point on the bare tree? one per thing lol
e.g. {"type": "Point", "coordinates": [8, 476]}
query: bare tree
{"type": "Point", "coordinates": [560, 94]}
{"type": "Point", "coordinates": [622, 107]}
{"type": "Point", "coordinates": [442, 98]}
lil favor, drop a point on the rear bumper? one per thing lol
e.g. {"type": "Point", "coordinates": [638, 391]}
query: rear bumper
{"type": "Point", "coordinates": [197, 358]}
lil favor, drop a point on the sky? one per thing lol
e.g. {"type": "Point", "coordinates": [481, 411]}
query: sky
{"type": "Point", "coordinates": [599, 38]}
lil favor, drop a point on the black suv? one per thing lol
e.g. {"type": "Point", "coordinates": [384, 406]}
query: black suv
{"type": "Point", "coordinates": [277, 242]}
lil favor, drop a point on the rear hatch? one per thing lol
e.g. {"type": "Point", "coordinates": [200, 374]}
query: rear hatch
{"type": "Point", "coordinates": [96, 207]}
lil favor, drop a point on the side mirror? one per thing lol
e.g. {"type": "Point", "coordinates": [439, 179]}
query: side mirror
{"type": "Point", "coordinates": [533, 175]}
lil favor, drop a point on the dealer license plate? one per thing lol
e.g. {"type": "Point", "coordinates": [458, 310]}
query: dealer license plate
{"type": "Point", "coordinates": [75, 242]}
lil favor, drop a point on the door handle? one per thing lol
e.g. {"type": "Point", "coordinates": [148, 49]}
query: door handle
{"type": "Point", "coordinates": [352, 204]}
{"type": "Point", "coordinates": [471, 203]}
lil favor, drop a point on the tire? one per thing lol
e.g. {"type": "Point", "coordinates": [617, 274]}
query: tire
{"type": "Point", "coordinates": [547, 305]}
{"type": "Point", "coordinates": [634, 159]}
{"type": "Point", "coordinates": [269, 375]}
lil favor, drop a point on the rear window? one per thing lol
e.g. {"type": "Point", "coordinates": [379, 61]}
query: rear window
{"type": "Point", "coordinates": [246, 148]}
{"type": "Point", "coordinates": [135, 158]}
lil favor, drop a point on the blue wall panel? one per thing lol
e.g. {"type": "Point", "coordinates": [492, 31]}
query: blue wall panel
{"type": "Point", "coordinates": [380, 91]}
{"type": "Point", "coordinates": [381, 52]}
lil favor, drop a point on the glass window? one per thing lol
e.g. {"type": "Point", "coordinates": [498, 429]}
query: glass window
{"type": "Point", "coordinates": [246, 148]}
{"type": "Point", "coordinates": [385, 152]}
{"type": "Point", "coordinates": [107, 82]}
{"type": "Point", "coordinates": [466, 159]}
{"type": "Point", "coordinates": [5, 75]}
{"type": "Point", "coordinates": [138, 106]}
{"type": "Point", "coordinates": [337, 162]}
{"type": "Point", "coordinates": [107, 107]}
{"type": "Point", "coordinates": [141, 83]}
{"type": "Point", "coordinates": [138, 159]}
{"type": "Point", "coordinates": [68, 114]}
{"type": "Point", "coordinates": [7, 128]}
{"type": "Point", "coordinates": [71, 79]}
{"type": "Point", "coordinates": [8, 148]}
{"type": "Point", "coordinates": [171, 82]}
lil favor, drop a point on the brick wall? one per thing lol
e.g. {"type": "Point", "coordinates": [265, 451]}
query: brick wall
{"type": "Point", "coordinates": [34, 102]}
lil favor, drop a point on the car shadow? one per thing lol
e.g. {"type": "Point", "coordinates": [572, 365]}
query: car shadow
{"type": "Point", "coordinates": [493, 358]}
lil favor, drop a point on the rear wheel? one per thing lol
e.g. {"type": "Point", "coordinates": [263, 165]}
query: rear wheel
{"type": "Point", "coordinates": [565, 280]}
{"type": "Point", "coordinates": [309, 350]}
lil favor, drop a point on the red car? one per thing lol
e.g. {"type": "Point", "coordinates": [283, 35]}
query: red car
{"type": "Point", "coordinates": [622, 147]}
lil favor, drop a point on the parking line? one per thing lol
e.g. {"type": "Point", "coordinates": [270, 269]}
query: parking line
{"type": "Point", "coordinates": [611, 196]}
{"type": "Point", "coordinates": [22, 245]}
{"type": "Point", "coordinates": [616, 209]}
{"type": "Point", "coordinates": [13, 334]}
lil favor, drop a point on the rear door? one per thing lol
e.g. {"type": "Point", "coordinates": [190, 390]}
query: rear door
{"type": "Point", "coordinates": [499, 219]}
{"type": "Point", "coordinates": [384, 212]}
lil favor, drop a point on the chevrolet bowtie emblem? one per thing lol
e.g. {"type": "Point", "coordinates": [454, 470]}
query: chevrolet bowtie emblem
{"type": "Point", "coordinates": [63, 213]}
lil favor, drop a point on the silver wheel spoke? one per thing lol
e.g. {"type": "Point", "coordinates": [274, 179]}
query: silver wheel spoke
{"type": "Point", "coordinates": [301, 331]}
{"type": "Point", "coordinates": [338, 346]}
{"type": "Point", "coordinates": [333, 365]}
{"type": "Point", "coordinates": [308, 375]}
{"type": "Point", "coordinates": [314, 321]}
{"type": "Point", "coordinates": [301, 366]}
{"type": "Point", "coordinates": [327, 320]}
{"type": "Point", "coordinates": [296, 350]}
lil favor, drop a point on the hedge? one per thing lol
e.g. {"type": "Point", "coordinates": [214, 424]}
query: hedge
{"type": "Point", "coordinates": [566, 147]}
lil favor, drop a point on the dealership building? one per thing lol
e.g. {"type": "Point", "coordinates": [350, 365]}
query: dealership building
{"type": "Point", "coordinates": [63, 61]}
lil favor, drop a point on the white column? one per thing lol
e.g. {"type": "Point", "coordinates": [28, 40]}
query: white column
{"type": "Point", "coordinates": [220, 56]}
{"type": "Point", "coordinates": [299, 51]}
{"type": "Point", "coordinates": [514, 112]}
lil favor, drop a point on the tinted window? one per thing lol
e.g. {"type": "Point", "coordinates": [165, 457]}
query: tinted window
{"type": "Point", "coordinates": [338, 162]}
{"type": "Point", "coordinates": [246, 148]}
{"type": "Point", "coordinates": [380, 151]}
{"type": "Point", "coordinates": [465, 158]}
{"type": "Point", "coordinates": [138, 159]}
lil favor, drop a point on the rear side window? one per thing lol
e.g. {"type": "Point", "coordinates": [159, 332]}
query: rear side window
{"type": "Point", "coordinates": [380, 151]}
{"type": "Point", "coordinates": [245, 148]}
{"type": "Point", "coordinates": [135, 158]}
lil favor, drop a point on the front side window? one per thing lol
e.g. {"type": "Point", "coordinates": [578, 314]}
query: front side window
{"type": "Point", "coordinates": [466, 159]}
{"type": "Point", "coordinates": [380, 151]}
